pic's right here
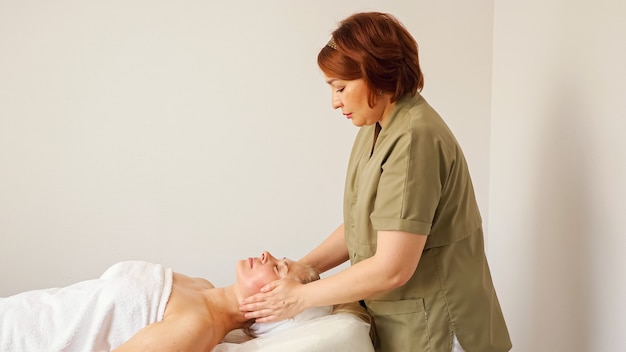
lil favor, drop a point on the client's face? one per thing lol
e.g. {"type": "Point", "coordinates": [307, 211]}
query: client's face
{"type": "Point", "coordinates": [254, 273]}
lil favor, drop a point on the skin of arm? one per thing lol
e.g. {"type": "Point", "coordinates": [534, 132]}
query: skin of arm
{"type": "Point", "coordinates": [395, 261]}
{"type": "Point", "coordinates": [330, 253]}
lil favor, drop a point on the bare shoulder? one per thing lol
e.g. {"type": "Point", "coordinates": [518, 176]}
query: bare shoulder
{"type": "Point", "coordinates": [188, 311]}
{"type": "Point", "coordinates": [188, 296]}
{"type": "Point", "coordinates": [181, 332]}
{"type": "Point", "coordinates": [188, 323]}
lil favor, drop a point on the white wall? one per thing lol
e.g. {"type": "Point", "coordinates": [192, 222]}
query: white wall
{"type": "Point", "coordinates": [558, 171]}
{"type": "Point", "coordinates": [195, 133]}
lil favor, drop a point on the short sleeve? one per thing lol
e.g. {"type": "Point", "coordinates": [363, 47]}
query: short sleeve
{"type": "Point", "coordinates": [411, 182]}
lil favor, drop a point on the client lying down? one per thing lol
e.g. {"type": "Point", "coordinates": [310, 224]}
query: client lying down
{"type": "Point", "coordinates": [139, 306]}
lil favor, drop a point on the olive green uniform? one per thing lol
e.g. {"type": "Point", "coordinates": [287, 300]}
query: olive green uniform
{"type": "Point", "coordinates": [417, 180]}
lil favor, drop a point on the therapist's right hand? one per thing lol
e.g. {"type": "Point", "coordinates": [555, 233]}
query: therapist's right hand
{"type": "Point", "coordinates": [278, 300]}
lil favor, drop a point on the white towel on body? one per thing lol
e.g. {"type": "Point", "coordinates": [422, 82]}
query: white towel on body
{"type": "Point", "coordinates": [94, 315]}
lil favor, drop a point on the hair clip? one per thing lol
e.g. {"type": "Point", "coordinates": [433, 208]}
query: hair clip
{"type": "Point", "coordinates": [331, 43]}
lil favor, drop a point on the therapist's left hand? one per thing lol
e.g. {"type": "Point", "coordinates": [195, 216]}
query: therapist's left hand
{"type": "Point", "coordinates": [278, 300]}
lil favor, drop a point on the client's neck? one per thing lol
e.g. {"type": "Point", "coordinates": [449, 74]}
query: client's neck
{"type": "Point", "coordinates": [224, 303]}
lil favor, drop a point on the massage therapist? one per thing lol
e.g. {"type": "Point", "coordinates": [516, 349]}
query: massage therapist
{"type": "Point", "coordinates": [412, 229]}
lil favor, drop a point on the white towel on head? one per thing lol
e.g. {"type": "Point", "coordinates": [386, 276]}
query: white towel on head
{"type": "Point", "coordinates": [333, 332]}
{"type": "Point", "coordinates": [93, 315]}
{"type": "Point", "coordinates": [265, 329]}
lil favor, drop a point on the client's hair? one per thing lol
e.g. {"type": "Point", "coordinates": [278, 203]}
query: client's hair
{"type": "Point", "coordinates": [311, 274]}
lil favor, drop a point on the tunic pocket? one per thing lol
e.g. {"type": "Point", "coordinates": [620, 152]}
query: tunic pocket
{"type": "Point", "coordinates": [401, 325]}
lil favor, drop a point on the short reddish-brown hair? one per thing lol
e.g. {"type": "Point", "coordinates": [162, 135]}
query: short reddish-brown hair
{"type": "Point", "coordinates": [377, 48]}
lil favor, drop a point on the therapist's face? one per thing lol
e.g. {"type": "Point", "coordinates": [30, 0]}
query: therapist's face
{"type": "Point", "coordinates": [255, 272]}
{"type": "Point", "coordinates": [351, 96]}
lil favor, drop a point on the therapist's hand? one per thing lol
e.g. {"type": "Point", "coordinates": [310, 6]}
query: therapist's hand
{"type": "Point", "coordinates": [278, 300]}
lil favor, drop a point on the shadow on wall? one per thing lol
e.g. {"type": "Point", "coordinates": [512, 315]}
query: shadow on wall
{"type": "Point", "coordinates": [562, 227]}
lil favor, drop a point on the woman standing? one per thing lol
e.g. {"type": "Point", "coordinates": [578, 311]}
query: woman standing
{"type": "Point", "coordinates": [412, 228]}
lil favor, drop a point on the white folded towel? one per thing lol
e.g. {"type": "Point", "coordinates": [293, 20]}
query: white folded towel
{"type": "Point", "coordinates": [334, 332]}
{"type": "Point", "coordinates": [93, 315]}
{"type": "Point", "coordinates": [265, 329]}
